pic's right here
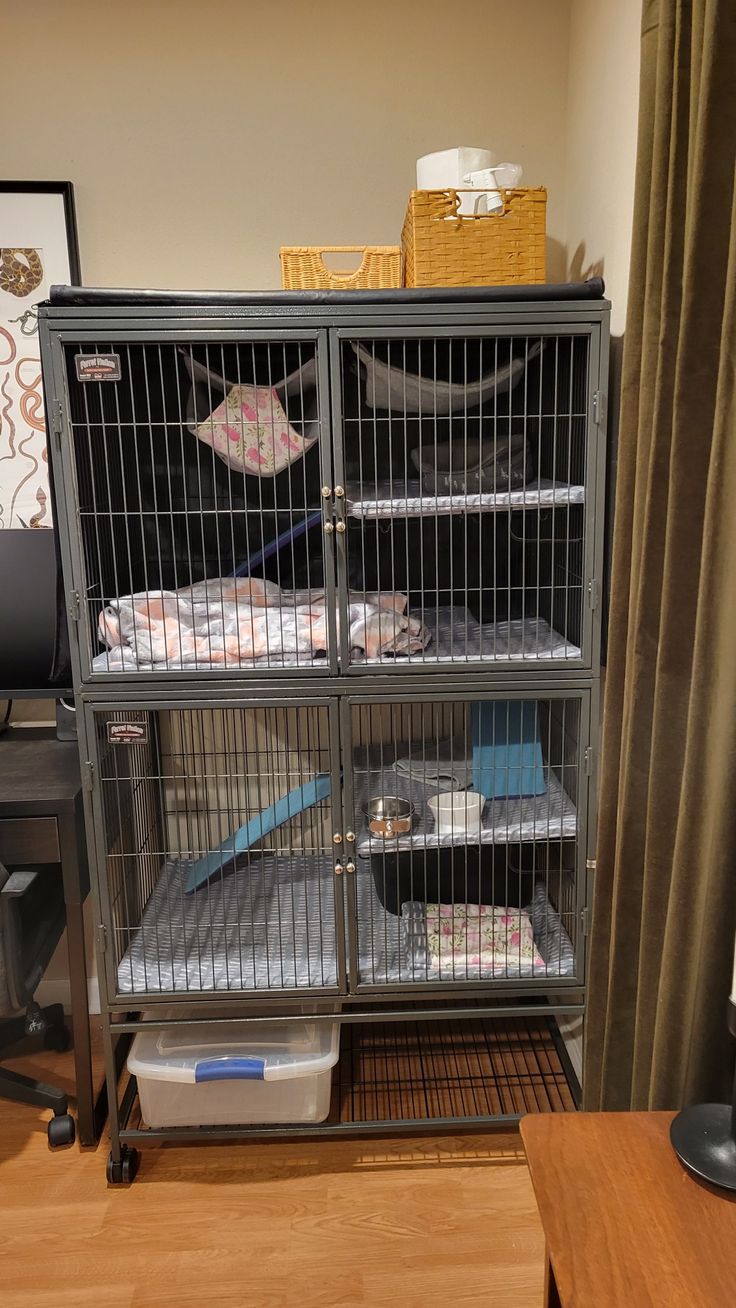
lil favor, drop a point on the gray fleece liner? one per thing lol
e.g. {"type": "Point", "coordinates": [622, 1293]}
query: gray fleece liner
{"type": "Point", "coordinates": [227, 937]}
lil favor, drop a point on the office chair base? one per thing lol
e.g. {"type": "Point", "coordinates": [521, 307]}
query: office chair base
{"type": "Point", "coordinates": [61, 1131]}
{"type": "Point", "coordinates": [48, 1025]}
{"type": "Point", "coordinates": [124, 1172]}
{"type": "Point", "coordinates": [58, 1039]}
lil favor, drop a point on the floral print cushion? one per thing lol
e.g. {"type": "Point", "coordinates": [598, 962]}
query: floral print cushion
{"type": "Point", "coordinates": [251, 433]}
{"type": "Point", "coordinates": [498, 941]}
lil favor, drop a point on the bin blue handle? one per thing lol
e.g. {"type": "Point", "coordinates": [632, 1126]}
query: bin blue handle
{"type": "Point", "coordinates": [229, 1069]}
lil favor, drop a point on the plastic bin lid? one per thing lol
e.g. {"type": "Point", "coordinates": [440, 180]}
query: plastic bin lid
{"type": "Point", "coordinates": [268, 1051]}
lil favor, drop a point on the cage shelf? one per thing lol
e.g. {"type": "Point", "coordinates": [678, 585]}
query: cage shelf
{"type": "Point", "coordinates": [385, 958]}
{"type": "Point", "coordinates": [267, 923]}
{"type": "Point", "coordinates": [231, 935]}
{"type": "Point", "coordinates": [457, 637]}
{"type": "Point", "coordinates": [391, 499]}
{"type": "Point", "coordinates": [551, 816]}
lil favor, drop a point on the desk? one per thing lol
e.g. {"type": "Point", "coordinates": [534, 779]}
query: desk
{"type": "Point", "coordinates": [626, 1227]}
{"type": "Point", "coordinates": [42, 821]}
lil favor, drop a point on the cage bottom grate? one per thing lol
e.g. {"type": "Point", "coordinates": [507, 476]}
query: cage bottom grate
{"type": "Point", "coordinates": [435, 1070]}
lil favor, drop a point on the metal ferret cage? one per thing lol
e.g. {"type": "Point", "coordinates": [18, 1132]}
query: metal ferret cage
{"type": "Point", "coordinates": [328, 566]}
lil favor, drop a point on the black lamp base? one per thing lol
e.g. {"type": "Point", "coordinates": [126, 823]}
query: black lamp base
{"type": "Point", "coordinates": [702, 1139]}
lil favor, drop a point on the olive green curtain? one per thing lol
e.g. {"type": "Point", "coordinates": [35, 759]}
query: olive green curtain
{"type": "Point", "coordinates": [664, 910]}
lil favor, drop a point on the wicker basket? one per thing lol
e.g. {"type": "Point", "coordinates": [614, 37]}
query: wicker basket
{"type": "Point", "coordinates": [443, 249]}
{"type": "Point", "coordinates": [303, 268]}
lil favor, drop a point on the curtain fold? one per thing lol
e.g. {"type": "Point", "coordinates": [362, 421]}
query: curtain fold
{"type": "Point", "coordinates": [664, 910]}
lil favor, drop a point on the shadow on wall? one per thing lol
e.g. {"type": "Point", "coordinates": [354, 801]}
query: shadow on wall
{"type": "Point", "coordinates": [579, 271]}
{"type": "Point", "coordinates": [556, 261]}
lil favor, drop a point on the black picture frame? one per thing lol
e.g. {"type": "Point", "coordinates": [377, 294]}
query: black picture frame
{"type": "Point", "coordinates": [66, 190]}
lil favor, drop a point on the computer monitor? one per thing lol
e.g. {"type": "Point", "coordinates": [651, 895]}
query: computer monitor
{"type": "Point", "coordinates": [34, 652]}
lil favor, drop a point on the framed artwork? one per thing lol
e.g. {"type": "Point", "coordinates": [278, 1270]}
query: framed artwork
{"type": "Point", "coordinates": [38, 248]}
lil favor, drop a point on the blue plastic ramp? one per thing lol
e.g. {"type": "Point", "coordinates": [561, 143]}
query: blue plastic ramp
{"type": "Point", "coordinates": [241, 840]}
{"type": "Point", "coordinates": [507, 750]}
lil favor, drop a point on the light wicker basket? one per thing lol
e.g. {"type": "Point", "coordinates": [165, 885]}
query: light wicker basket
{"type": "Point", "coordinates": [303, 268]}
{"type": "Point", "coordinates": [443, 249]}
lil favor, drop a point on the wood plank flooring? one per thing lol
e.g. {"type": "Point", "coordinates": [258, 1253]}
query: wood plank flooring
{"type": "Point", "coordinates": [339, 1224]}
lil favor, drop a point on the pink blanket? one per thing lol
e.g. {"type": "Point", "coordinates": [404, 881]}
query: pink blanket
{"type": "Point", "coordinates": [229, 622]}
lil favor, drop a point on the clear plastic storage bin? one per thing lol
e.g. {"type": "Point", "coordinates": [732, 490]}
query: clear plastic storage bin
{"type": "Point", "coordinates": [233, 1075]}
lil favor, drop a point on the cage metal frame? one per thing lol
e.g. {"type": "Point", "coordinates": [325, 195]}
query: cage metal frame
{"type": "Point", "coordinates": [544, 998]}
{"type": "Point", "coordinates": [331, 323]}
{"type": "Point", "coordinates": [327, 328]}
{"type": "Point", "coordinates": [348, 986]}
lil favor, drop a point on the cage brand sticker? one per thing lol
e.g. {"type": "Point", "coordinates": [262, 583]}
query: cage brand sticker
{"type": "Point", "coordinates": [127, 733]}
{"type": "Point", "coordinates": [98, 367]}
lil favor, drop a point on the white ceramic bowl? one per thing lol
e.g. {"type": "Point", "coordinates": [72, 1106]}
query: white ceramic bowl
{"type": "Point", "coordinates": [457, 812]}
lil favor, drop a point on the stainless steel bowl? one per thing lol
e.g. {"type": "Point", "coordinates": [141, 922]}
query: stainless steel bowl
{"type": "Point", "coordinates": [389, 816]}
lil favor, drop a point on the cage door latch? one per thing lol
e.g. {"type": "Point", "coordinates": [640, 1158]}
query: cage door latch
{"type": "Point", "coordinates": [88, 775]}
{"type": "Point", "coordinates": [74, 607]}
{"type": "Point", "coordinates": [593, 590]}
{"type": "Point", "coordinates": [56, 418]}
{"type": "Point", "coordinates": [101, 938]}
{"type": "Point", "coordinates": [598, 408]}
{"type": "Point", "coordinates": [584, 920]}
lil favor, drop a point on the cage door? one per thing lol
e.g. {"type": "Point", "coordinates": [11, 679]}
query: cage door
{"type": "Point", "coordinates": [467, 815]}
{"type": "Point", "coordinates": [467, 464]}
{"type": "Point", "coordinates": [193, 474]}
{"type": "Point", "coordinates": [218, 859]}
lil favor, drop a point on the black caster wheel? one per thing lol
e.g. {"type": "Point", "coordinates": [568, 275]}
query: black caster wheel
{"type": "Point", "coordinates": [57, 1038]}
{"type": "Point", "coordinates": [124, 1172]}
{"type": "Point", "coordinates": [61, 1131]}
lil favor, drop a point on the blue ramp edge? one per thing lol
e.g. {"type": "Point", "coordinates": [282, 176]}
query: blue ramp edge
{"type": "Point", "coordinates": [261, 825]}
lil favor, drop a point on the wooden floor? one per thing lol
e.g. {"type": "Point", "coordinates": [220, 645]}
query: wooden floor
{"type": "Point", "coordinates": [414, 1223]}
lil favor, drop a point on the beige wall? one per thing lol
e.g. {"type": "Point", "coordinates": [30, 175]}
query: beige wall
{"type": "Point", "coordinates": [602, 108]}
{"type": "Point", "coordinates": [201, 137]}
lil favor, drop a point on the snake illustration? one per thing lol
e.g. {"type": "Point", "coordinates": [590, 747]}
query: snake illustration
{"type": "Point", "coordinates": [31, 403]}
{"type": "Point", "coordinates": [6, 418]}
{"type": "Point", "coordinates": [21, 271]}
{"type": "Point", "coordinates": [28, 322]}
{"type": "Point", "coordinates": [10, 345]}
{"type": "Point", "coordinates": [26, 454]}
{"type": "Point", "coordinates": [41, 500]}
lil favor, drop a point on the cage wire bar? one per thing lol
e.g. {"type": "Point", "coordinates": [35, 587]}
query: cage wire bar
{"type": "Point", "coordinates": [337, 513]}
{"type": "Point", "coordinates": [228, 836]}
{"type": "Point", "coordinates": [422, 899]}
{"type": "Point", "coordinates": [465, 464]}
{"type": "Point", "coordinates": [207, 893]}
{"type": "Point", "coordinates": [234, 515]}
{"type": "Point", "coordinates": [188, 563]}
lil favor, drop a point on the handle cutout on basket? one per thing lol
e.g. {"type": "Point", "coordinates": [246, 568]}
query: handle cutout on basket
{"type": "Point", "coordinates": [453, 197]}
{"type": "Point", "coordinates": [334, 260]}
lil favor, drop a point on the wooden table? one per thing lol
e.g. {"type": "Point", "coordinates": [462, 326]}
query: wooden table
{"type": "Point", "coordinates": [42, 821]}
{"type": "Point", "coordinates": [626, 1226]}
